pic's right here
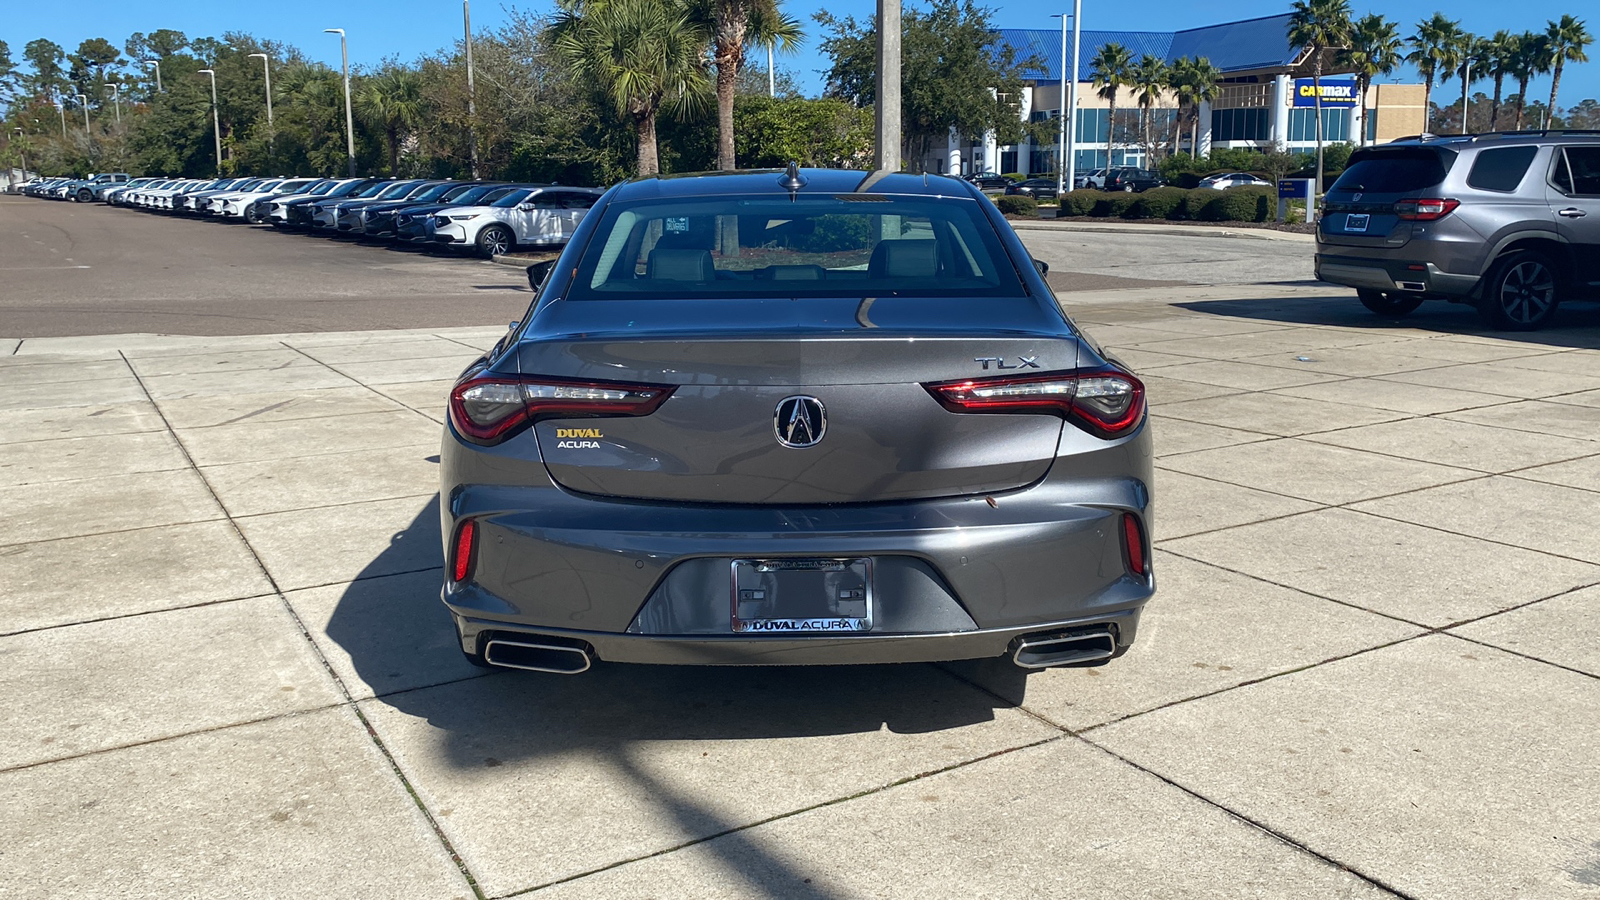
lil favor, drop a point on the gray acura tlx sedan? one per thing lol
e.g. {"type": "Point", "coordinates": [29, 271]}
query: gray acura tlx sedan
{"type": "Point", "coordinates": [803, 417]}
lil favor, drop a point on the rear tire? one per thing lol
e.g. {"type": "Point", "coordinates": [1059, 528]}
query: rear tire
{"type": "Point", "coordinates": [84, 195]}
{"type": "Point", "coordinates": [1521, 292]}
{"type": "Point", "coordinates": [251, 217]}
{"type": "Point", "coordinates": [1386, 303]}
{"type": "Point", "coordinates": [495, 240]}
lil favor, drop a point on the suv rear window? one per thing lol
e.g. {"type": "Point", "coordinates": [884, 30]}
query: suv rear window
{"type": "Point", "coordinates": [1395, 171]}
{"type": "Point", "coordinates": [842, 245]}
{"type": "Point", "coordinates": [1500, 169]}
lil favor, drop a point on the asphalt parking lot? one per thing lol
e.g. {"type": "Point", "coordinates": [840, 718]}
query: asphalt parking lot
{"type": "Point", "coordinates": [1370, 670]}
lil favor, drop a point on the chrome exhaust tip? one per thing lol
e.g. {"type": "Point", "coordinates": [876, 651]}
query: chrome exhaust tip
{"type": "Point", "coordinates": [1413, 286]}
{"type": "Point", "coordinates": [534, 657]}
{"type": "Point", "coordinates": [1072, 648]}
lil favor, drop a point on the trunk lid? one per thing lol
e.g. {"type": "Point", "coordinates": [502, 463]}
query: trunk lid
{"type": "Point", "coordinates": [735, 364]}
{"type": "Point", "coordinates": [1359, 210]}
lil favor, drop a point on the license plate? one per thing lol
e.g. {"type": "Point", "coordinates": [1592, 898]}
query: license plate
{"type": "Point", "coordinates": [1355, 222]}
{"type": "Point", "coordinates": [793, 596]}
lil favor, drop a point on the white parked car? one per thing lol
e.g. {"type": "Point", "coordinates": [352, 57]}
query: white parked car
{"type": "Point", "coordinates": [242, 204]}
{"type": "Point", "coordinates": [1233, 179]}
{"type": "Point", "coordinates": [544, 216]}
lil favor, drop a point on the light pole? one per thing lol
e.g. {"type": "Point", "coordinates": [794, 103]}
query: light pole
{"type": "Point", "coordinates": [216, 127]}
{"type": "Point", "coordinates": [1466, 77]}
{"type": "Point", "coordinates": [887, 132]}
{"type": "Point", "coordinates": [116, 93]}
{"type": "Point", "coordinates": [472, 93]}
{"type": "Point", "coordinates": [266, 69]}
{"type": "Point", "coordinates": [84, 102]}
{"type": "Point", "coordinates": [22, 148]}
{"type": "Point", "coordinates": [772, 84]}
{"type": "Point", "coordinates": [1067, 171]}
{"type": "Point", "coordinates": [156, 64]}
{"type": "Point", "coordinates": [349, 117]}
{"type": "Point", "coordinates": [63, 109]}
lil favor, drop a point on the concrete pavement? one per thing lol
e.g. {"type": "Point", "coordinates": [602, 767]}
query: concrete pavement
{"type": "Point", "coordinates": [1369, 671]}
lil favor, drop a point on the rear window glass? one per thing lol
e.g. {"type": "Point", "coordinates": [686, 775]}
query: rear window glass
{"type": "Point", "coordinates": [1394, 171]}
{"type": "Point", "coordinates": [812, 246]}
{"type": "Point", "coordinates": [1500, 169]}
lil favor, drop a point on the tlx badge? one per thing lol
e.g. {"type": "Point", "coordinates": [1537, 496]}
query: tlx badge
{"type": "Point", "coordinates": [1023, 362]}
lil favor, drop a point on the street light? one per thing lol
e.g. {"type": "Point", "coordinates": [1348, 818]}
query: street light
{"type": "Point", "coordinates": [84, 102]}
{"type": "Point", "coordinates": [349, 117]}
{"type": "Point", "coordinates": [22, 148]}
{"type": "Point", "coordinates": [216, 127]}
{"type": "Point", "coordinates": [1067, 170]}
{"type": "Point", "coordinates": [156, 64]}
{"type": "Point", "coordinates": [63, 110]}
{"type": "Point", "coordinates": [472, 94]}
{"type": "Point", "coordinates": [116, 92]}
{"type": "Point", "coordinates": [266, 68]}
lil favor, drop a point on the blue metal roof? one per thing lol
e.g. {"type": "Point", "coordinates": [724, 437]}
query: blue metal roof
{"type": "Point", "coordinates": [1232, 46]}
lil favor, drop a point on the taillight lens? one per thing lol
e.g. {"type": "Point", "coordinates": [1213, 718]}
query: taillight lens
{"type": "Point", "coordinates": [488, 409]}
{"type": "Point", "coordinates": [1105, 402]}
{"type": "Point", "coordinates": [1424, 209]}
{"type": "Point", "coordinates": [1133, 544]}
{"type": "Point", "coordinates": [464, 546]}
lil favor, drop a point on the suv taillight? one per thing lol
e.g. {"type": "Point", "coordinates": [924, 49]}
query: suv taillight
{"type": "Point", "coordinates": [1105, 402]}
{"type": "Point", "coordinates": [487, 409]}
{"type": "Point", "coordinates": [1424, 209]}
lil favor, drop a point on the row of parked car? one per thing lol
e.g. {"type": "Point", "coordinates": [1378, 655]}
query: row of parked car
{"type": "Point", "coordinates": [487, 217]}
{"type": "Point", "coordinates": [1114, 178]}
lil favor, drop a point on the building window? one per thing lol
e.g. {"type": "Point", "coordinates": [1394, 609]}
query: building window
{"type": "Point", "coordinates": [1008, 161]}
{"type": "Point", "coordinates": [1372, 126]}
{"type": "Point", "coordinates": [1303, 125]}
{"type": "Point", "coordinates": [1089, 160]}
{"type": "Point", "coordinates": [1240, 125]}
{"type": "Point", "coordinates": [1092, 125]}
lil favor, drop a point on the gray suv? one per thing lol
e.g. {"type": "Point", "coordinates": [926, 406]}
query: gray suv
{"type": "Point", "coordinates": [1509, 223]}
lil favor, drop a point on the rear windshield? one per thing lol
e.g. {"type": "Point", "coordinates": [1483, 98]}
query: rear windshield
{"type": "Point", "coordinates": [1395, 171]}
{"type": "Point", "coordinates": [845, 245]}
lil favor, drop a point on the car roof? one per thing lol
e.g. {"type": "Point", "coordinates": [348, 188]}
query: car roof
{"type": "Point", "coordinates": [1457, 141]}
{"type": "Point", "coordinates": [767, 181]}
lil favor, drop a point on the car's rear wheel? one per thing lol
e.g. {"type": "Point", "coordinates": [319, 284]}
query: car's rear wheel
{"type": "Point", "coordinates": [251, 216]}
{"type": "Point", "coordinates": [85, 195]}
{"type": "Point", "coordinates": [1386, 303]}
{"type": "Point", "coordinates": [1521, 292]}
{"type": "Point", "coordinates": [494, 240]}
{"type": "Point", "coordinates": [1127, 189]}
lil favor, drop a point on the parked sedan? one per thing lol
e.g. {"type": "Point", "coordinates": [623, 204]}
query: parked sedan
{"type": "Point", "coordinates": [988, 181]}
{"type": "Point", "coordinates": [1233, 179]}
{"type": "Point", "coordinates": [1037, 188]}
{"type": "Point", "coordinates": [822, 444]}
{"type": "Point", "coordinates": [1129, 179]}
{"type": "Point", "coordinates": [541, 216]}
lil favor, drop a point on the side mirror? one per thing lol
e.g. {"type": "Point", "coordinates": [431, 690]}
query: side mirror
{"type": "Point", "coordinates": [1042, 266]}
{"type": "Point", "coordinates": [538, 272]}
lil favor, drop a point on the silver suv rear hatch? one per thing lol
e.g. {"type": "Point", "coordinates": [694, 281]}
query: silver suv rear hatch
{"type": "Point", "coordinates": [1359, 210]}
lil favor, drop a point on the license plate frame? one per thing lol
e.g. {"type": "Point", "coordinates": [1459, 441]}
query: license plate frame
{"type": "Point", "coordinates": [801, 596]}
{"type": "Point", "coordinates": [1357, 222]}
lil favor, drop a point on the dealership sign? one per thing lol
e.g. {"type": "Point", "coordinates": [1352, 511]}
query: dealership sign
{"type": "Point", "coordinates": [1335, 92]}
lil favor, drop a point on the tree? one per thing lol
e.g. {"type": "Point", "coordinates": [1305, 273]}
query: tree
{"type": "Point", "coordinates": [1148, 79]}
{"type": "Point", "coordinates": [48, 79]}
{"type": "Point", "coordinates": [1472, 55]}
{"type": "Point", "coordinates": [1319, 26]}
{"type": "Point", "coordinates": [1195, 80]}
{"type": "Point", "coordinates": [1431, 54]}
{"type": "Point", "coordinates": [735, 25]}
{"type": "Point", "coordinates": [825, 132]}
{"type": "Point", "coordinates": [1566, 41]}
{"type": "Point", "coordinates": [1586, 115]}
{"type": "Point", "coordinates": [1532, 58]}
{"type": "Point", "coordinates": [1374, 50]}
{"type": "Point", "coordinates": [643, 54]}
{"type": "Point", "coordinates": [393, 101]}
{"type": "Point", "coordinates": [1111, 68]}
{"type": "Point", "coordinates": [160, 44]}
{"type": "Point", "coordinates": [90, 64]}
{"type": "Point", "coordinates": [1502, 52]}
{"type": "Point", "coordinates": [957, 74]}
{"type": "Point", "coordinates": [9, 76]}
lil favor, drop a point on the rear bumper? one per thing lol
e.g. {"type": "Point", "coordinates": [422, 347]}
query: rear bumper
{"type": "Point", "coordinates": [1409, 276]}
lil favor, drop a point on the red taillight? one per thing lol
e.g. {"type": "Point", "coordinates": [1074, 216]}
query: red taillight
{"type": "Point", "coordinates": [1106, 402]}
{"type": "Point", "coordinates": [1424, 209]}
{"type": "Point", "coordinates": [464, 545]}
{"type": "Point", "coordinates": [487, 409]}
{"type": "Point", "coordinates": [1132, 543]}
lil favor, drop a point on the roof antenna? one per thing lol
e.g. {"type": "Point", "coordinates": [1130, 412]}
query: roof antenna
{"type": "Point", "coordinates": [791, 180]}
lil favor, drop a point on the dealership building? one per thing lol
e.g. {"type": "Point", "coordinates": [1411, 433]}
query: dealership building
{"type": "Point", "coordinates": [1265, 99]}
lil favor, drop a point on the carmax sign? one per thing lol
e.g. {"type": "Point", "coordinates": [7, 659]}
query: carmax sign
{"type": "Point", "coordinates": [1335, 92]}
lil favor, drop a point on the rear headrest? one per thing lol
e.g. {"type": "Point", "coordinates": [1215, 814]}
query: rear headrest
{"type": "Point", "coordinates": [681, 265]}
{"type": "Point", "coordinates": [904, 259]}
{"type": "Point", "coordinates": [792, 273]}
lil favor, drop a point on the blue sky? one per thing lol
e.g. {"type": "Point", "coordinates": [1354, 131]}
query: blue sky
{"type": "Point", "coordinates": [408, 28]}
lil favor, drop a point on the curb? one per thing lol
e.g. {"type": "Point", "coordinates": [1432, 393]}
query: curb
{"type": "Point", "coordinates": [1257, 234]}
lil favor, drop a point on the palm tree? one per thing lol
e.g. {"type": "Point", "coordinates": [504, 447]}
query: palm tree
{"type": "Point", "coordinates": [1149, 78]}
{"type": "Point", "coordinates": [733, 26]}
{"type": "Point", "coordinates": [1533, 58]}
{"type": "Point", "coordinates": [1111, 68]}
{"type": "Point", "coordinates": [1196, 81]}
{"type": "Point", "coordinates": [1432, 55]}
{"type": "Point", "coordinates": [644, 55]}
{"type": "Point", "coordinates": [1566, 40]}
{"type": "Point", "coordinates": [1319, 25]}
{"type": "Point", "coordinates": [1472, 55]}
{"type": "Point", "coordinates": [393, 101]}
{"type": "Point", "coordinates": [1502, 62]}
{"type": "Point", "coordinates": [1374, 50]}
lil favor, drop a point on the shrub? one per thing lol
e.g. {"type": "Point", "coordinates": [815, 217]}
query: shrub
{"type": "Point", "coordinates": [1241, 204]}
{"type": "Point", "coordinates": [1156, 203]}
{"type": "Point", "coordinates": [1192, 202]}
{"type": "Point", "coordinates": [1017, 205]}
{"type": "Point", "coordinates": [1080, 202]}
{"type": "Point", "coordinates": [1017, 176]}
{"type": "Point", "coordinates": [1113, 204]}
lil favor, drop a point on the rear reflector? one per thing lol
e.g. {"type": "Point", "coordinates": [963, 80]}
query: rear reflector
{"type": "Point", "coordinates": [1106, 402]}
{"type": "Point", "coordinates": [464, 545]}
{"type": "Point", "coordinates": [1133, 543]}
{"type": "Point", "coordinates": [487, 409]}
{"type": "Point", "coordinates": [1424, 209]}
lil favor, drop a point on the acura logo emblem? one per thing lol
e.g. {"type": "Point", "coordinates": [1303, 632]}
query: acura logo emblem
{"type": "Point", "coordinates": [800, 421]}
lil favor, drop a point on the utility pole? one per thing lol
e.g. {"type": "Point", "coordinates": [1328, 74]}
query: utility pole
{"type": "Point", "coordinates": [216, 127]}
{"type": "Point", "coordinates": [472, 92]}
{"type": "Point", "coordinates": [887, 132]}
{"type": "Point", "coordinates": [349, 117]}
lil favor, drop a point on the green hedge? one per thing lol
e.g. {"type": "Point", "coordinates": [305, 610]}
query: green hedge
{"type": "Point", "coordinates": [1243, 204]}
{"type": "Point", "coordinates": [1113, 204]}
{"type": "Point", "coordinates": [1080, 203]}
{"type": "Point", "coordinates": [1017, 205]}
{"type": "Point", "coordinates": [1156, 203]}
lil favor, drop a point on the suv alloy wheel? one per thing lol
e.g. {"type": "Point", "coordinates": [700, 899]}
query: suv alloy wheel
{"type": "Point", "coordinates": [1521, 292]}
{"type": "Point", "coordinates": [494, 240]}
